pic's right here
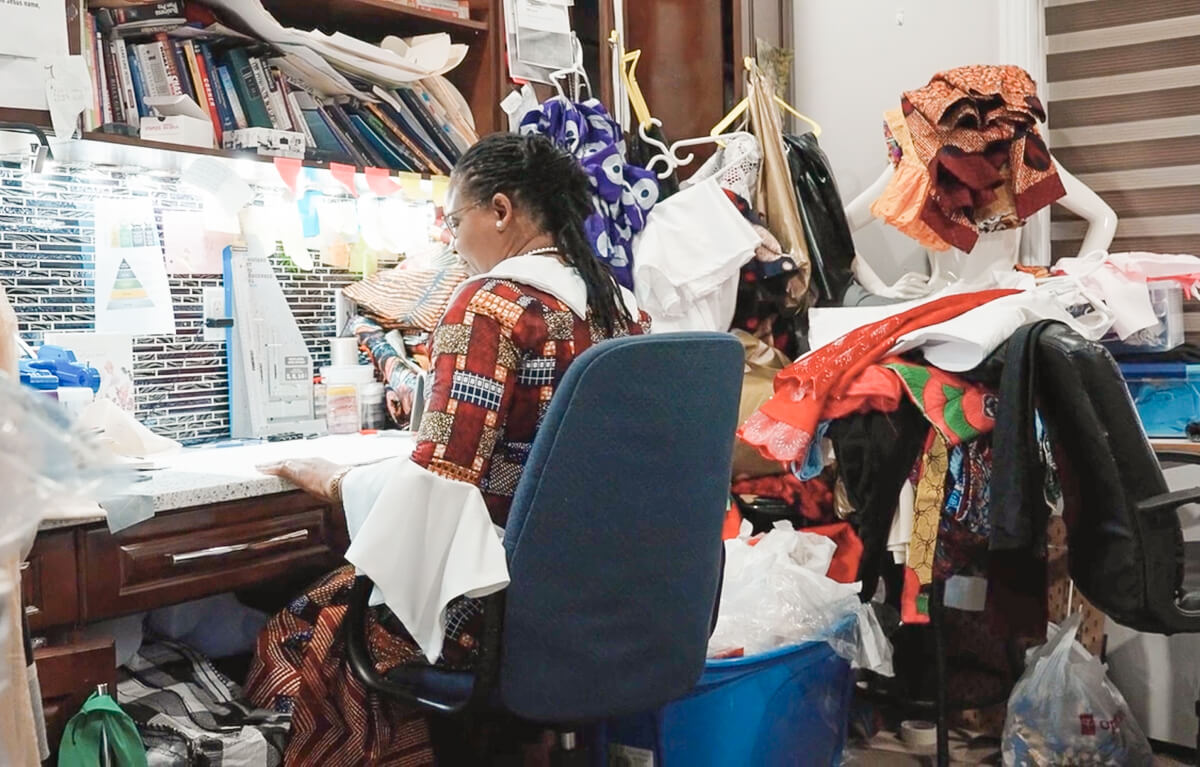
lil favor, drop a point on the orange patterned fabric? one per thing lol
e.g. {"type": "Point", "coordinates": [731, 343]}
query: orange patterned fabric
{"type": "Point", "coordinates": [904, 198]}
{"type": "Point", "coordinates": [974, 129]}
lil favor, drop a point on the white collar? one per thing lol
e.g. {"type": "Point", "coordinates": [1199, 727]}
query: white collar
{"type": "Point", "coordinates": [556, 278]}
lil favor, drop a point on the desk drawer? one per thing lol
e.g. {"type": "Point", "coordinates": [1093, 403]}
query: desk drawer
{"type": "Point", "coordinates": [183, 555]}
{"type": "Point", "coordinates": [49, 581]}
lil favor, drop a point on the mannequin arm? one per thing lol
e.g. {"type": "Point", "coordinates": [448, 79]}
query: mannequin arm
{"type": "Point", "coordinates": [858, 212]}
{"type": "Point", "coordinates": [1083, 202]}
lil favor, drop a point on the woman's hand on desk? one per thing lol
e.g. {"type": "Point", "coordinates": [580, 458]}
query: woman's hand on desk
{"type": "Point", "coordinates": [316, 476]}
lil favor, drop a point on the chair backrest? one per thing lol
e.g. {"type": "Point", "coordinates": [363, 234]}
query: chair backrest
{"type": "Point", "coordinates": [614, 536]}
{"type": "Point", "coordinates": [1126, 560]}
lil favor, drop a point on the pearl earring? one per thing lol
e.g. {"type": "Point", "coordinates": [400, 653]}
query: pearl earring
{"type": "Point", "coordinates": [500, 225]}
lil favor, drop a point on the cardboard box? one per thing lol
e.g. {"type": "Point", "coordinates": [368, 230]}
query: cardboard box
{"type": "Point", "coordinates": [177, 120]}
{"type": "Point", "coordinates": [267, 141]}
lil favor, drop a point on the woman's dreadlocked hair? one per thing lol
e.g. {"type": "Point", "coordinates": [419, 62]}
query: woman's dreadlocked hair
{"type": "Point", "coordinates": [553, 189]}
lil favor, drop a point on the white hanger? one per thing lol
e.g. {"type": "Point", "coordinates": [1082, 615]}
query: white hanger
{"type": "Point", "coordinates": [576, 69]}
{"type": "Point", "coordinates": [670, 159]}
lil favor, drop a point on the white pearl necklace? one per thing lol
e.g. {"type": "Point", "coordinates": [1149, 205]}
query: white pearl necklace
{"type": "Point", "coordinates": [539, 252]}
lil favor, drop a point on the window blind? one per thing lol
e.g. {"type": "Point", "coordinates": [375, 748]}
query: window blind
{"type": "Point", "coordinates": [1123, 99]}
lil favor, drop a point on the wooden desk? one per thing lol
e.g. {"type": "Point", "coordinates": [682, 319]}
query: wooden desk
{"type": "Point", "coordinates": [79, 575]}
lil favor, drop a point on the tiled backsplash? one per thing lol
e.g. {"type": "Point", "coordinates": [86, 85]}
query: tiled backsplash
{"type": "Point", "coordinates": [46, 265]}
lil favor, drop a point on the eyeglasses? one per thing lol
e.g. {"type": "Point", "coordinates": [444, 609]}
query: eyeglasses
{"type": "Point", "coordinates": [454, 218]}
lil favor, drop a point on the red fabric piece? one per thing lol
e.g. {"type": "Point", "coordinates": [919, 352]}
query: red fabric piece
{"type": "Point", "coordinates": [876, 390]}
{"type": "Point", "coordinates": [910, 610]}
{"type": "Point", "coordinates": [782, 428]}
{"type": "Point", "coordinates": [844, 567]}
{"type": "Point", "coordinates": [813, 499]}
{"type": "Point", "coordinates": [733, 523]}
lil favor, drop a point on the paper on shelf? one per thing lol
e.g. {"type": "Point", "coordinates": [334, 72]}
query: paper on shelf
{"type": "Point", "coordinates": [434, 54]}
{"type": "Point", "coordinates": [258, 20]}
{"type": "Point", "coordinates": [305, 64]}
{"type": "Point", "coordinates": [68, 93]}
{"type": "Point", "coordinates": [396, 72]}
{"type": "Point", "coordinates": [543, 16]}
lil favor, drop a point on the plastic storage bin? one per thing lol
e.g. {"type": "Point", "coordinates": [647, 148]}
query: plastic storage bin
{"type": "Point", "coordinates": [787, 707]}
{"type": "Point", "coordinates": [1167, 300]}
{"type": "Point", "coordinates": [1166, 395]}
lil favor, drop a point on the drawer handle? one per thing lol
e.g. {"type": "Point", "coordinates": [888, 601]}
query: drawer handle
{"type": "Point", "coordinates": [220, 551]}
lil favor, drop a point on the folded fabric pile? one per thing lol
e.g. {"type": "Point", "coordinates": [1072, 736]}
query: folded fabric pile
{"type": "Point", "coordinates": [828, 383]}
{"type": "Point", "coordinates": [968, 157]}
{"type": "Point", "coordinates": [622, 193]}
{"type": "Point", "coordinates": [188, 713]}
{"type": "Point", "coordinates": [406, 297]}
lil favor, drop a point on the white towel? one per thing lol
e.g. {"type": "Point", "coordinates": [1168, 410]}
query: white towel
{"type": "Point", "coordinates": [424, 540]}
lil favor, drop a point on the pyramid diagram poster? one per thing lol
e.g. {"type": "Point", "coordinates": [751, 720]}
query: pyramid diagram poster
{"type": "Point", "coordinates": [132, 294]}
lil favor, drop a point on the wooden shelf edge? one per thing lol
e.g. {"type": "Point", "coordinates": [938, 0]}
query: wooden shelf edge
{"type": "Point", "coordinates": [382, 13]}
{"type": "Point", "coordinates": [473, 25]}
{"type": "Point", "coordinates": [126, 151]}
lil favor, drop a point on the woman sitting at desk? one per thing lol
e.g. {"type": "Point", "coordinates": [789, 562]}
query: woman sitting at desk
{"type": "Point", "coordinates": [517, 207]}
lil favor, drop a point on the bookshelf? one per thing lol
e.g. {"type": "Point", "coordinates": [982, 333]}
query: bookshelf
{"type": "Point", "coordinates": [480, 78]}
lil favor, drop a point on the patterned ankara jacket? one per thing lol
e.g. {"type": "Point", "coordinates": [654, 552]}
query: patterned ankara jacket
{"type": "Point", "coordinates": [501, 349]}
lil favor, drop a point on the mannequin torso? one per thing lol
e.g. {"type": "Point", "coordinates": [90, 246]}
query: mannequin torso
{"type": "Point", "coordinates": [993, 251]}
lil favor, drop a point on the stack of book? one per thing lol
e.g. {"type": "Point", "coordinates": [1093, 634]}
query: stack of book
{"type": "Point", "coordinates": [167, 49]}
{"type": "Point", "coordinates": [452, 9]}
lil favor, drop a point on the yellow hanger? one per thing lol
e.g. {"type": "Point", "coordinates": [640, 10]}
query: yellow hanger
{"type": "Point", "coordinates": [738, 110]}
{"type": "Point", "coordinates": [635, 91]}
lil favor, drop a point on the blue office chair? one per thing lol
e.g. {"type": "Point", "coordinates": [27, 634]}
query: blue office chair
{"type": "Point", "coordinates": [613, 541]}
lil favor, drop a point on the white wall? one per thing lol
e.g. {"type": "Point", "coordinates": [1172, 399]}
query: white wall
{"type": "Point", "coordinates": [853, 60]}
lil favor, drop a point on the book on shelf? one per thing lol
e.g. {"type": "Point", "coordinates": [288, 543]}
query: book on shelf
{"type": "Point", "coordinates": [140, 19]}
{"type": "Point", "coordinates": [255, 101]}
{"type": "Point", "coordinates": [451, 9]}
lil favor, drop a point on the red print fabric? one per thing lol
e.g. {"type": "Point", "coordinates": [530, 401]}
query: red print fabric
{"type": "Point", "coordinates": [810, 388]}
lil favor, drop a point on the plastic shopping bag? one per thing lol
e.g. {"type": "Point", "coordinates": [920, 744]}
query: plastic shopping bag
{"type": "Point", "coordinates": [1065, 711]}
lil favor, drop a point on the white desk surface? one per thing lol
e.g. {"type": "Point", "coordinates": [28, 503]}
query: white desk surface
{"type": "Point", "coordinates": [200, 476]}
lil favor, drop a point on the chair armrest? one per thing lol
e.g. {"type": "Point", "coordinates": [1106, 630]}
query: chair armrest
{"type": "Point", "coordinates": [1176, 498]}
{"type": "Point", "coordinates": [359, 656]}
{"type": "Point", "coordinates": [1170, 501]}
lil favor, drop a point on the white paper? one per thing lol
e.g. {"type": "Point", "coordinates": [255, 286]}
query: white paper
{"type": "Point", "coordinates": [290, 230]}
{"type": "Point", "coordinates": [22, 83]}
{"type": "Point", "coordinates": [395, 72]}
{"type": "Point", "coordinates": [258, 20]}
{"type": "Point", "coordinates": [189, 247]}
{"type": "Point", "coordinates": [68, 93]}
{"type": "Point", "coordinates": [109, 353]}
{"type": "Point", "coordinates": [218, 180]}
{"type": "Point", "coordinates": [546, 17]}
{"type": "Point", "coordinates": [301, 63]}
{"type": "Point", "coordinates": [132, 294]}
{"type": "Point", "coordinates": [433, 54]}
{"type": "Point", "coordinates": [33, 28]}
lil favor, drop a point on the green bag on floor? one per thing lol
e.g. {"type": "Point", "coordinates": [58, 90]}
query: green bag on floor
{"type": "Point", "coordinates": [82, 741]}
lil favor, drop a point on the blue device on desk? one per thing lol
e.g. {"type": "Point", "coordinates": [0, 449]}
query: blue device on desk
{"type": "Point", "coordinates": [1167, 397]}
{"type": "Point", "coordinates": [62, 364]}
{"type": "Point", "coordinates": [35, 376]}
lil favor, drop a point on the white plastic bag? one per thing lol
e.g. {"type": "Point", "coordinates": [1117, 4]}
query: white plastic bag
{"type": "Point", "coordinates": [1065, 711]}
{"type": "Point", "coordinates": [775, 593]}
